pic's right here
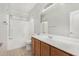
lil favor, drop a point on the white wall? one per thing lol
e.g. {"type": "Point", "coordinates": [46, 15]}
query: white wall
{"type": "Point", "coordinates": [3, 25]}
{"type": "Point", "coordinates": [3, 31]}
{"type": "Point", "coordinates": [35, 14]}
{"type": "Point", "coordinates": [58, 18]}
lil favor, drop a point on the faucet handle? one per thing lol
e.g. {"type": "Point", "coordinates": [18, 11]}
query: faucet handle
{"type": "Point", "coordinates": [50, 37]}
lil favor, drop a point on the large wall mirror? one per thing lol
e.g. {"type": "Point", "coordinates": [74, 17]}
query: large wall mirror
{"type": "Point", "coordinates": [44, 20]}
{"type": "Point", "coordinates": [62, 19]}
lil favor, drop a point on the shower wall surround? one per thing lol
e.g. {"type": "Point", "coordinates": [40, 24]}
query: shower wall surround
{"type": "Point", "coordinates": [3, 25]}
{"type": "Point", "coordinates": [13, 32]}
{"type": "Point", "coordinates": [14, 26]}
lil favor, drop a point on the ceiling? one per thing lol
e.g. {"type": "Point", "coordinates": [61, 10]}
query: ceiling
{"type": "Point", "coordinates": [19, 9]}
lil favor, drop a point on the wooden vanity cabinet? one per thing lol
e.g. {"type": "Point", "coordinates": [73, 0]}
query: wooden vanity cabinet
{"type": "Point", "coordinates": [40, 48]}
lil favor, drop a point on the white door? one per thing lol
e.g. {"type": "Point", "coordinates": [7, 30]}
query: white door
{"type": "Point", "coordinates": [74, 24]}
{"type": "Point", "coordinates": [18, 31]}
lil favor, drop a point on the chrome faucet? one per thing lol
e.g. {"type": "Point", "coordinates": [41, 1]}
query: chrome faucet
{"type": "Point", "coordinates": [50, 37]}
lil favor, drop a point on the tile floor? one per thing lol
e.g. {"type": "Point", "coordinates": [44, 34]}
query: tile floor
{"type": "Point", "coordinates": [16, 52]}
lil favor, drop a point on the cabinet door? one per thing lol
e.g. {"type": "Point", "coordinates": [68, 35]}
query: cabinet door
{"type": "Point", "coordinates": [45, 49]}
{"type": "Point", "coordinates": [57, 52]}
{"type": "Point", "coordinates": [33, 46]}
{"type": "Point", "coordinates": [37, 47]}
{"type": "Point", "coordinates": [52, 51]}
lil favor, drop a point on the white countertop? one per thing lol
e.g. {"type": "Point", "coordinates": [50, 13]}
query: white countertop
{"type": "Point", "coordinates": [64, 43]}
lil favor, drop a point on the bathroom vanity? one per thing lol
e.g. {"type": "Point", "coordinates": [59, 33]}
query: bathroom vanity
{"type": "Point", "coordinates": [41, 47]}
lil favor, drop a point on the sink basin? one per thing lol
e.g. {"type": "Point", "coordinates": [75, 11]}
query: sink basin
{"type": "Point", "coordinates": [58, 38]}
{"type": "Point", "coordinates": [64, 39]}
{"type": "Point", "coordinates": [43, 36]}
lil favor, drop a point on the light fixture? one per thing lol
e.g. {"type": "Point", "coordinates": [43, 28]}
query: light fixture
{"type": "Point", "coordinates": [49, 6]}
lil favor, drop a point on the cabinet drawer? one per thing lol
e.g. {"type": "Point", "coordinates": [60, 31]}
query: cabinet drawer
{"type": "Point", "coordinates": [37, 48]}
{"type": "Point", "coordinates": [33, 47]}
